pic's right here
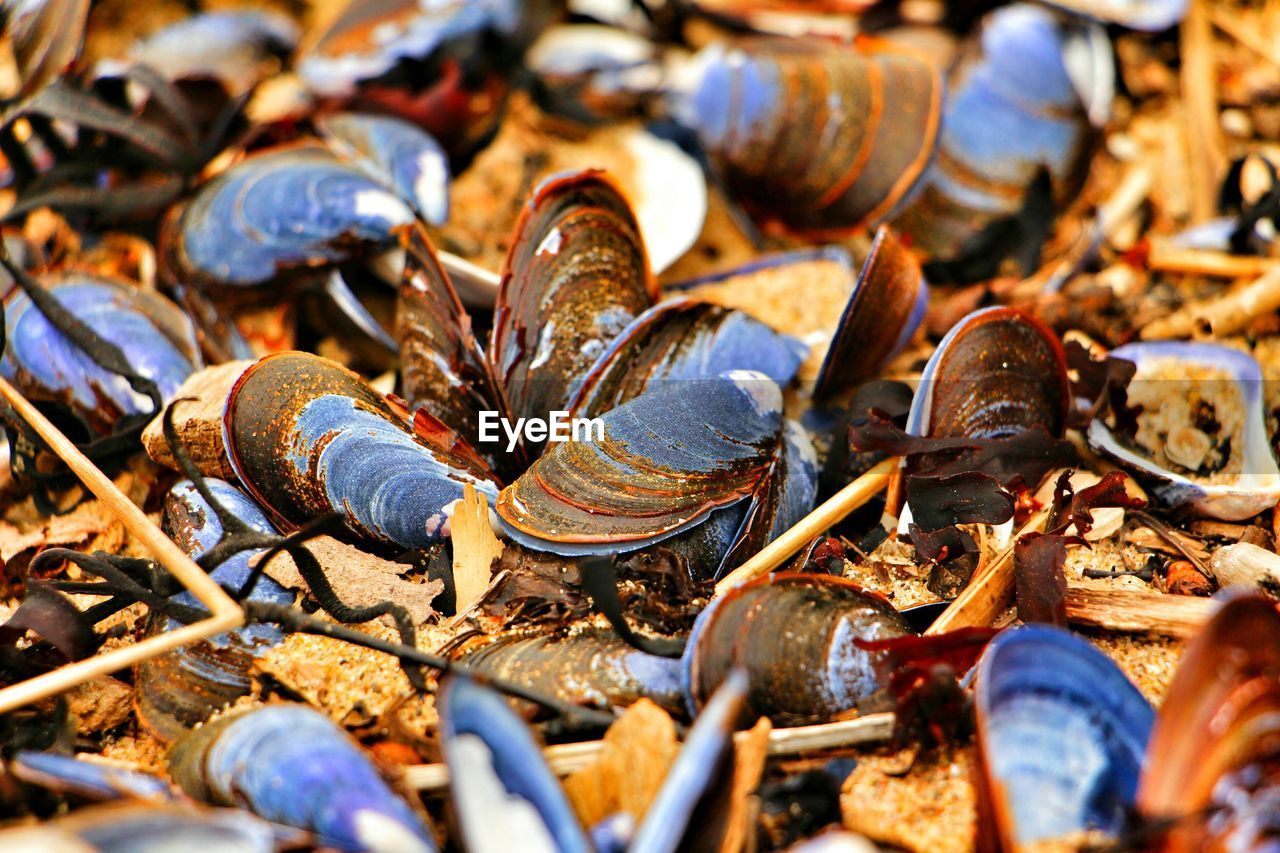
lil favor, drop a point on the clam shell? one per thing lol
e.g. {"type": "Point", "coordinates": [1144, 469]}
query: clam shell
{"type": "Point", "coordinates": [1256, 488]}
{"type": "Point", "coordinates": [1062, 734]}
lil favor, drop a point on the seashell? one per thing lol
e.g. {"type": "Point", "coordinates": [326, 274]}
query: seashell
{"type": "Point", "coordinates": [799, 671]}
{"type": "Point", "coordinates": [1245, 565]}
{"type": "Point", "coordinates": [262, 759]}
{"type": "Point", "coordinates": [156, 338]}
{"type": "Point", "coordinates": [1232, 497]}
{"type": "Point", "coordinates": [180, 689]}
{"type": "Point", "coordinates": [883, 313]}
{"type": "Point", "coordinates": [132, 828]}
{"type": "Point", "coordinates": [308, 437]}
{"type": "Point", "coordinates": [1061, 734]}
{"type": "Point", "coordinates": [593, 667]}
{"type": "Point", "coordinates": [285, 210]}
{"type": "Point", "coordinates": [666, 460]}
{"type": "Point", "coordinates": [998, 371]}
{"type": "Point", "coordinates": [492, 757]}
{"type": "Point", "coordinates": [398, 154]}
{"type": "Point", "coordinates": [237, 48]}
{"type": "Point", "coordinates": [596, 71]}
{"type": "Point", "coordinates": [1020, 102]}
{"type": "Point", "coordinates": [576, 274]}
{"type": "Point", "coordinates": [443, 369]}
{"type": "Point", "coordinates": [680, 340]}
{"type": "Point", "coordinates": [815, 136]}
{"type": "Point", "coordinates": [1211, 761]}
{"type": "Point", "coordinates": [1150, 15]}
{"type": "Point", "coordinates": [44, 37]}
{"type": "Point", "coordinates": [88, 779]}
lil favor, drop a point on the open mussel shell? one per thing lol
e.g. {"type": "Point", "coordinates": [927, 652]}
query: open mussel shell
{"type": "Point", "coordinates": [664, 462]}
{"type": "Point", "coordinates": [279, 211]}
{"type": "Point", "coordinates": [292, 765]}
{"type": "Point", "coordinates": [683, 339]}
{"type": "Point", "coordinates": [1235, 497]}
{"type": "Point", "coordinates": [399, 154]}
{"type": "Point", "coordinates": [1061, 734]}
{"type": "Point", "coordinates": [180, 689]}
{"type": "Point", "coordinates": [793, 635]}
{"type": "Point", "coordinates": [308, 437]}
{"type": "Point", "coordinates": [155, 337]}
{"type": "Point", "coordinates": [576, 274]}
{"type": "Point", "coordinates": [883, 313]}
{"type": "Point", "coordinates": [593, 667]}
{"type": "Point", "coordinates": [816, 136]}
{"type": "Point", "coordinates": [1018, 105]}
{"type": "Point", "coordinates": [1213, 754]}
{"type": "Point", "coordinates": [998, 371]}
{"type": "Point", "coordinates": [493, 758]}
{"type": "Point", "coordinates": [443, 369]}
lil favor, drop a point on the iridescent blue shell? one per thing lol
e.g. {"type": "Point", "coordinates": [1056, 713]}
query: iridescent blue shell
{"type": "Point", "coordinates": [399, 154]}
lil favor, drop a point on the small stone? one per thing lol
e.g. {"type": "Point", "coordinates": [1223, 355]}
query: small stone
{"type": "Point", "coordinates": [1187, 446]}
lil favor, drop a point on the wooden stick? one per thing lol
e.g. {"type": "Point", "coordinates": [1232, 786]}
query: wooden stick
{"type": "Point", "coordinates": [1166, 258]}
{"type": "Point", "coordinates": [988, 594]}
{"type": "Point", "coordinates": [1225, 315]}
{"type": "Point", "coordinates": [1200, 107]}
{"type": "Point", "coordinates": [832, 512]}
{"type": "Point", "coordinates": [225, 612]}
{"type": "Point", "coordinates": [1232, 26]}
{"type": "Point", "coordinates": [1139, 612]}
{"type": "Point", "coordinates": [564, 759]}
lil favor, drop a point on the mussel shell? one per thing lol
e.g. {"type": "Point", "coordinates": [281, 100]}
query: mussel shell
{"type": "Point", "coordinates": [308, 437]}
{"type": "Point", "coordinates": [1256, 488]}
{"type": "Point", "coordinates": [818, 136]}
{"type": "Point", "coordinates": [151, 828]}
{"type": "Point", "coordinates": [1013, 110]}
{"type": "Point", "coordinates": [998, 371]}
{"type": "Point", "coordinates": [667, 459]}
{"type": "Point", "coordinates": [90, 780]}
{"type": "Point", "coordinates": [397, 153]}
{"type": "Point", "coordinates": [442, 366]}
{"type": "Point", "coordinates": [279, 211]}
{"type": "Point", "coordinates": [180, 689]}
{"type": "Point", "coordinates": [233, 47]}
{"type": "Point", "coordinates": [793, 634]}
{"type": "Point", "coordinates": [492, 757]}
{"type": "Point", "coordinates": [1218, 731]}
{"type": "Point", "coordinates": [678, 340]}
{"type": "Point", "coordinates": [592, 667]}
{"type": "Point", "coordinates": [156, 338]}
{"type": "Point", "coordinates": [1150, 15]}
{"type": "Point", "coordinates": [883, 313]}
{"type": "Point", "coordinates": [1062, 733]}
{"type": "Point", "coordinates": [576, 274]}
{"type": "Point", "coordinates": [44, 38]}
{"type": "Point", "coordinates": [291, 764]}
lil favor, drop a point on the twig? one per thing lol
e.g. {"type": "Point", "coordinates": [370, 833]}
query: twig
{"type": "Point", "coordinates": [1200, 103]}
{"type": "Point", "coordinates": [1225, 315]}
{"type": "Point", "coordinates": [1138, 612]}
{"type": "Point", "coordinates": [833, 511]}
{"type": "Point", "coordinates": [1166, 258]}
{"type": "Point", "coordinates": [565, 759]}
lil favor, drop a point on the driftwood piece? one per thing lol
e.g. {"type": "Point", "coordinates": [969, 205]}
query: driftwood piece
{"type": "Point", "coordinates": [564, 759]}
{"type": "Point", "coordinates": [1138, 612]}
{"type": "Point", "coordinates": [1164, 257]}
{"type": "Point", "coordinates": [1222, 316]}
{"type": "Point", "coordinates": [199, 423]}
